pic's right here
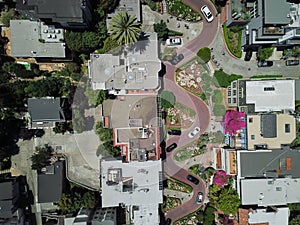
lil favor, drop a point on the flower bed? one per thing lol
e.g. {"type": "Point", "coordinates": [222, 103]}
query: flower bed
{"type": "Point", "coordinates": [179, 9]}
{"type": "Point", "coordinates": [180, 116]}
{"type": "Point", "coordinates": [170, 203]}
{"type": "Point", "coordinates": [176, 185]}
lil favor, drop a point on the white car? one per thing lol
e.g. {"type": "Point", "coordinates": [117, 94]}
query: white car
{"type": "Point", "coordinates": [193, 133]}
{"type": "Point", "coordinates": [173, 41]}
{"type": "Point", "coordinates": [207, 13]}
{"type": "Point", "coordinates": [199, 198]}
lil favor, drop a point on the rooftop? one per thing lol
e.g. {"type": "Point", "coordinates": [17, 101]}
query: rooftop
{"type": "Point", "coordinates": [271, 95]}
{"type": "Point", "coordinates": [276, 12]}
{"type": "Point", "coordinates": [278, 217]}
{"type": "Point", "coordinates": [269, 191]}
{"type": "Point", "coordinates": [51, 185]}
{"type": "Point", "coordinates": [273, 163]}
{"type": "Point", "coordinates": [272, 130]}
{"type": "Point", "coordinates": [41, 40]}
{"type": "Point", "coordinates": [135, 68]}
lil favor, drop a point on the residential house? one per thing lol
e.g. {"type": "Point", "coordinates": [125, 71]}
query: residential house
{"type": "Point", "coordinates": [70, 14]}
{"type": "Point", "coordinates": [273, 22]}
{"type": "Point", "coordinates": [134, 69]}
{"type": "Point", "coordinates": [270, 216]}
{"type": "Point", "coordinates": [36, 39]}
{"type": "Point", "coordinates": [44, 112]}
{"type": "Point", "coordinates": [132, 185]}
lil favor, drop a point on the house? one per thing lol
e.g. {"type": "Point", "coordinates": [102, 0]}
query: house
{"type": "Point", "coordinates": [42, 41]}
{"type": "Point", "coordinates": [70, 14]}
{"type": "Point", "coordinates": [270, 216]}
{"type": "Point", "coordinates": [136, 68]}
{"type": "Point", "coordinates": [132, 7]}
{"type": "Point", "coordinates": [132, 185]}
{"type": "Point", "coordinates": [273, 22]}
{"type": "Point", "coordinates": [136, 126]}
{"type": "Point", "coordinates": [51, 183]}
{"type": "Point", "coordinates": [44, 112]}
{"type": "Point", "coordinates": [259, 96]}
{"type": "Point", "coordinates": [9, 197]}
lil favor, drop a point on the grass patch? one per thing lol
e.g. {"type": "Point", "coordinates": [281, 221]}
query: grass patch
{"type": "Point", "coordinates": [217, 97]}
{"type": "Point", "coordinates": [204, 54]}
{"type": "Point", "coordinates": [233, 39]}
{"type": "Point", "coordinates": [219, 110]}
{"type": "Point", "coordinates": [169, 53]}
{"type": "Point", "coordinates": [223, 79]}
{"type": "Point", "coordinates": [185, 108]}
{"type": "Point", "coordinates": [266, 76]}
{"type": "Point", "coordinates": [177, 185]}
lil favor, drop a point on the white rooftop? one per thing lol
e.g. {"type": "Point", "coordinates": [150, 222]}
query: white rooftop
{"type": "Point", "coordinates": [271, 95]}
{"type": "Point", "coordinates": [269, 192]}
{"type": "Point", "coordinates": [136, 184]}
{"type": "Point", "coordinates": [281, 217]}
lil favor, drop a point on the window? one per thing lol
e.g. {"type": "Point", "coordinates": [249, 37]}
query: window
{"type": "Point", "coordinates": [269, 89]}
{"type": "Point", "coordinates": [250, 120]}
{"type": "Point", "coordinates": [234, 92]}
{"type": "Point", "coordinates": [234, 100]}
{"type": "Point", "coordinates": [229, 93]}
{"type": "Point", "coordinates": [287, 128]}
{"type": "Point", "coordinates": [229, 100]}
{"type": "Point", "coordinates": [278, 188]}
{"type": "Point", "coordinates": [252, 137]}
{"type": "Point", "coordinates": [234, 84]}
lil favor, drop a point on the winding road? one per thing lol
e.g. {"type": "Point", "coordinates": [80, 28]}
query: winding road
{"type": "Point", "coordinates": [202, 119]}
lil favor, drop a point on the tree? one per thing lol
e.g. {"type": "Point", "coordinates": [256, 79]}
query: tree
{"type": "Point", "coordinates": [102, 96]}
{"type": "Point", "coordinates": [204, 54]}
{"type": "Point", "coordinates": [74, 41]}
{"type": "Point", "coordinates": [228, 201]}
{"type": "Point", "coordinates": [222, 79]}
{"type": "Point", "coordinates": [91, 40]}
{"type": "Point", "coordinates": [109, 5]}
{"type": "Point", "coordinates": [295, 220]}
{"type": "Point", "coordinates": [265, 53]}
{"type": "Point", "coordinates": [162, 30]}
{"type": "Point", "coordinates": [6, 16]}
{"type": "Point", "coordinates": [110, 46]}
{"type": "Point", "coordinates": [63, 127]}
{"type": "Point", "coordinates": [125, 29]}
{"type": "Point", "coordinates": [78, 121]}
{"type": "Point", "coordinates": [219, 110]}
{"type": "Point", "coordinates": [41, 158]}
{"type": "Point", "coordinates": [209, 215]}
{"type": "Point", "coordinates": [167, 99]}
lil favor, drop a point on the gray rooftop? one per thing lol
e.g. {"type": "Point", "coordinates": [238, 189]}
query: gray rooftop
{"type": "Point", "coordinates": [260, 163]}
{"type": "Point", "coordinates": [51, 186]}
{"type": "Point", "coordinates": [278, 217]}
{"type": "Point", "coordinates": [45, 109]}
{"type": "Point", "coordinates": [268, 125]}
{"type": "Point", "coordinates": [138, 70]}
{"type": "Point", "coordinates": [276, 12]}
{"type": "Point", "coordinates": [297, 89]}
{"type": "Point", "coordinates": [6, 208]}
{"type": "Point", "coordinates": [25, 35]}
{"type": "Point", "coordinates": [6, 190]}
{"type": "Point", "coordinates": [267, 192]}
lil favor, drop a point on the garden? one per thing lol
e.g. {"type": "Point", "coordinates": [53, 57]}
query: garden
{"type": "Point", "coordinates": [170, 203]}
{"type": "Point", "coordinates": [176, 185]}
{"type": "Point", "coordinates": [180, 116]}
{"type": "Point", "coordinates": [233, 39]}
{"type": "Point", "coordinates": [179, 9]}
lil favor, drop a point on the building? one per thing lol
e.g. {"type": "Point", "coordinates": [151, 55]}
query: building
{"type": "Point", "coordinates": [136, 68]}
{"type": "Point", "coordinates": [266, 95]}
{"type": "Point", "coordinates": [270, 131]}
{"type": "Point", "coordinates": [42, 41]}
{"type": "Point", "coordinates": [136, 126]}
{"type": "Point", "coordinates": [44, 112]}
{"type": "Point", "coordinates": [51, 183]}
{"type": "Point", "coordinates": [273, 22]}
{"type": "Point", "coordinates": [133, 8]}
{"type": "Point", "coordinates": [132, 185]}
{"type": "Point", "coordinates": [70, 14]}
{"type": "Point", "coordinates": [9, 196]}
{"type": "Point", "coordinates": [270, 216]}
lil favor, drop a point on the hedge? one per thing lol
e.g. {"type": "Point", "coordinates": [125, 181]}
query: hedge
{"type": "Point", "coordinates": [238, 52]}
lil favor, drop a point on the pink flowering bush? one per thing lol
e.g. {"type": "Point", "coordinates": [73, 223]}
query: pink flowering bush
{"type": "Point", "coordinates": [233, 122]}
{"type": "Point", "coordinates": [220, 178]}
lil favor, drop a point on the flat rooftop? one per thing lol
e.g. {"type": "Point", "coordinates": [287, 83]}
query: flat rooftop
{"type": "Point", "coordinates": [276, 12]}
{"type": "Point", "coordinates": [259, 216]}
{"type": "Point", "coordinates": [271, 95]}
{"type": "Point", "coordinates": [267, 192]}
{"type": "Point", "coordinates": [133, 69]}
{"type": "Point", "coordinates": [270, 129]}
{"type": "Point", "coordinates": [31, 33]}
{"type": "Point", "coordinates": [265, 163]}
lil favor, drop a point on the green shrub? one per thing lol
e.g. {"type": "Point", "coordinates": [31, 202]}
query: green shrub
{"type": "Point", "coordinates": [204, 54]}
{"type": "Point", "coordinates": [174, 33]}
{"type": "Point", "coordinates": [219, 110]}
{"type": "Point", "coordinates": [265, 53]}
{"type": "Point", "coordinates": [266, 76]}
{"type": "Point", "coordinates": [167, 99]}
{"type": "Point", "coordinates": [222, 79]}
{"type": "Point", "coordinates": [228, 35]}
{"type": "Point", "coordinates": [217, 97]}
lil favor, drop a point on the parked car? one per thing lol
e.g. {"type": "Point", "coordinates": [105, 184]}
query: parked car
{"type": "Point", "coordinates": [177, 59]}
{"type": "Point", "coordinates": [193, 133]}
{"type": "Point", "coordinates": [171, 147]}
{"type": "Point", "coordinates": [173, 41]}
{"type": "Point", "coordinates": [199, 198]}
{"type": "Point", "coordinates": [207, 13]}
{"type": "Point", "coordinates": [174, 132]}
{"type": "Point", "coordinates": [248, 55]}
{"type": "Point", "coordinates": [168, 221]}
{"type": "Point", "coordinates": [265, 63]}
{"type": "Point", "coordinates": [193, 179]}
{"type": "Point", "coordinates": [292, 62]}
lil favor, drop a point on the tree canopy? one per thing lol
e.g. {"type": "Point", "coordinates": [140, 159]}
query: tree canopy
{"type": "Point", "coordinates": [204, 54]}
{"type": "Point", "coordinates": [167, 99]}
{"type": "Point", "coordinates": [223, 79]}
{"type": "Point", "coordinates": [265, 53]}
{"type": "Point", "coordinates": [162, 30]}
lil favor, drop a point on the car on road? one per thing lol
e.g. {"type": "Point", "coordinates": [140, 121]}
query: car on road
{"type": "Point", "coordinates": [207, 13]}
{"type": "Point", "coordinates": [174, 132]}
{"type": "Point", "coordinates": [193, 179]}
{"type": "Point", "coordinates": [171, 147]}
{"type": "Point", "coordinates": [292, 62]}
{"type": "Point", "coordinates": [168, 221]}
{"type": "Point", "coordinates": [173, 41]}
{"type": "Point", "coordinates": [265, 63]}
{"type": "Point", "coordinates": [194, 132]}
{"type": "Point", "coordinates": [199, 198]}
{"type": "Point", "coordinates": [177, 59]}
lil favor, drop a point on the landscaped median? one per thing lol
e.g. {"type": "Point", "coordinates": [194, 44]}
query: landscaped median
{"type": "Point", "coordinates": [233, 39]}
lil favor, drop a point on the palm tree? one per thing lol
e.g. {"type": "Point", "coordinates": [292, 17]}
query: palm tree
{"type": "Point", "coordinates": [125, 29]}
